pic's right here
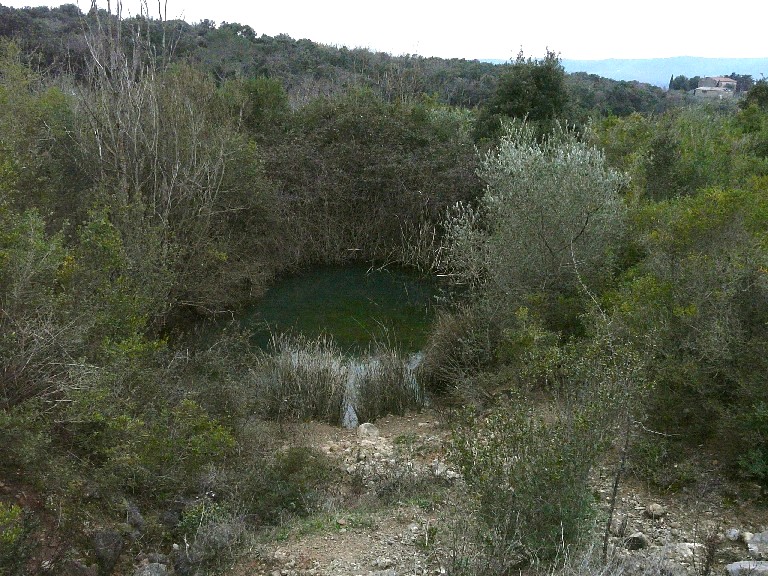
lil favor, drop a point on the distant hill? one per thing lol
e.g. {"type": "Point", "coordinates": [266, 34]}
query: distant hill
{"type": "Point", "coordinates": [657, 71]}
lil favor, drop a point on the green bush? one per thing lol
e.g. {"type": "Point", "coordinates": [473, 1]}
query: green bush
{"type": "Point", "coordinates": [301, 379]}
{"type": "Point", "coordinates": [154, 455]}
{"type": "Point", "coordinates": [179, 447]}
{"type": "Point", "coordinates": [292, 483]}
{"type": "Point", "coordinates": [754, 427]}
{"type": "Point", "coordinates": [695, 309]}
{"type": "Point", "coordinates": [16, 539]}
{"type": "Point", "coordinates": [529, 475]}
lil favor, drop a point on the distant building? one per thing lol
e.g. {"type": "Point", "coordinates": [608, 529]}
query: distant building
{"type": "Point", "coordinates": [715, 87]}
{"type": "Point", "coordinates": [717, 82]}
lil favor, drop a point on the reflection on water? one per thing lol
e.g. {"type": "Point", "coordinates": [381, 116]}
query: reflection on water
{"type": "Point", "coordinates": [356, 305]}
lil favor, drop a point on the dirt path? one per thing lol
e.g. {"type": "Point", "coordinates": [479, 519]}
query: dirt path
{"type": "Point", "coordinates": [395, 504]}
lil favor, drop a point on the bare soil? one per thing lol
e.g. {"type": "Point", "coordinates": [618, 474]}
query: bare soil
{"type": "Point", "coordinates": [366, 531]}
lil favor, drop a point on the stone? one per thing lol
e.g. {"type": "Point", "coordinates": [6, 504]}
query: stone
{"type": "Point", "coordinates": [170, 518]}
{"type": "Point", "coordinates": [684, 552]}
{"type": "Point", "coordinates": [78, 568]}
{"type": "Point", "coordinates": [732, 534]}
{"type": "Point", "coordinates": [441, 470]}
{"type": "Point", "coordinates": [151, 569]}
{"type": "Point", "coordinates": [107, 546]}
{"type": "Point", "coordinates": [153, 558]}
{"type": "Point", "coordinates": [382, 563]}
{"type": "Point", "coordinates": [158, 558]}
{"type": "Point", "coordinates": [636, 541]}
{"type": "Point", "coordinates": [655, 511]}
{"type": "Point", "coordinates": [134, 516]}
{"type": "Point", "coordinates": [747, 568]}
{"type": "Point", "coordinates": [349, 419]}
{"type": "Point", "coordinates": [367, 431]}
{"type": "Point", "coordinates": [758, 546]}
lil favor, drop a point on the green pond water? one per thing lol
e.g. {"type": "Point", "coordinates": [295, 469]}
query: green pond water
{"type": "Point", "coordinates": [355, 305]}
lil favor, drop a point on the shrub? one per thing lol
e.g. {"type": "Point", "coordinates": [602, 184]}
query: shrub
{"type": "Point", "coordinates": [212, 537]}
{"type": "Point", "coordinates": [529, 474]}
{"type": "Point", "coordinates": [661, 461]}
{"type": "Point", "coordinates": [461, 345]}
{"type": "Point", "coordinates": [292, 483]}
{"type": "Point", "coordinates": [155, 455]}
{"type": "Point", "coordinates": [217, 372]}
{"type": "Point", "coordinates": [695, 308]}
{"type": "Point", "coordinates": [527, 463]}
{"type": "Point", "coordinates": [384, 384]}
{"type": "Point", "coordinates": [754, 428]}
{"type": "Point", "coordinates": [16, 540]}
{"type": "Point", "coordinates": [551, 217]}
{"type": "Point", "coordinates": [302, 379]}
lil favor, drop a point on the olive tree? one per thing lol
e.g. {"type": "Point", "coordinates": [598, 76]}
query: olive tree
{"type": "Point", "coordinates": [551, 219]}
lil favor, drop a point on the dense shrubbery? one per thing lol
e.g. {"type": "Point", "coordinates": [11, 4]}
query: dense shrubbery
{"type": "Point", "coordinates": [362, 177]}
{"type": "Point", "coordinates": [616, 273]}
{"type": "Point", "coordinates": [672, 306]}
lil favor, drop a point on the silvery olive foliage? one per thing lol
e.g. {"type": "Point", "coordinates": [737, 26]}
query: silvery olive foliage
{"type": "Point", "coordinates": [552, 213]}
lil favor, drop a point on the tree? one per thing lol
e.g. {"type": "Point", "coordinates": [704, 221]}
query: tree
{"type": "Point", "coordinates": [551, 218]}
{"type": "Point", "coordinates": [678, 83]}
{"type": "Point", "coordinates": [531, 89]}
{"type": "Point", "coordinates": [758, 96]}
{"type": "Point", "coordinates": [744, 82]}
{"type": "Point", "coordinates": [183, 186]}
{"type": "Point", "coordinates": [361, 174]}
{"type": "Point", "coordinates": [683, 83]}
{"type": "Point", "coordinates": [36, 164]}
{"type": "Point", "coordinates": [260, 103]}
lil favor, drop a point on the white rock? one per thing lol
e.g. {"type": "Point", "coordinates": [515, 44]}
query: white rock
{"type": "Point", "coordinates": [684, 551]}
{"type": "Point", "coordinates": [655, 511]}
{"type": "Point", "coordinates": [732, 534]}
{"type": "Point", "coordinates": [367, 431]}
{"type": "Point", "coordinates": [636, 541]}
{"type": "Point", "coordinates": [382, 563]}
{"type": "Point", "coordinates": [747, 567]}
{"type": "Point", "coordinates": [758, 546]}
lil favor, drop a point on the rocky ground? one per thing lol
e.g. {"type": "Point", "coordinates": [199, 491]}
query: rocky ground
{"type": "Point", "coordinates": [397, 511]}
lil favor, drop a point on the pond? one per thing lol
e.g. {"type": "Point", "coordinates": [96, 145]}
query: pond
{"type": "Point", "coordinates": [356, 305]}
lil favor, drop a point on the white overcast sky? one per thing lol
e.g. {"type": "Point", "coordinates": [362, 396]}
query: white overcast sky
{"type": "Point", "coordinates": [576, 29]}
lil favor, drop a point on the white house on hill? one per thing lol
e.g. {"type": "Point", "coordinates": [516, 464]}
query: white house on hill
{"type": "Point", "coordinates": [716, 87]}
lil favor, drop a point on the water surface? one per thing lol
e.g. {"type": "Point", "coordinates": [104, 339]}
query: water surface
{"type": "Point", "coordinates": [356, 305]}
